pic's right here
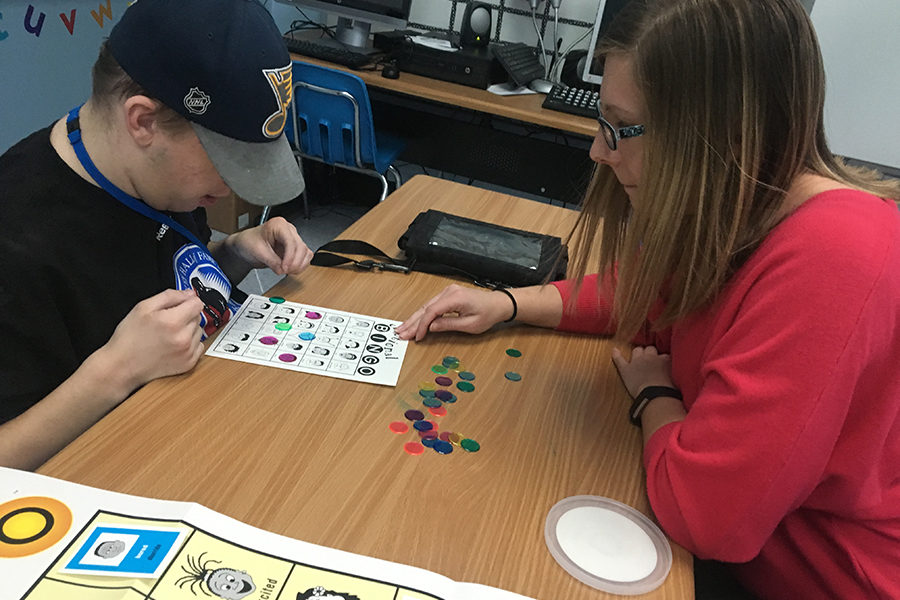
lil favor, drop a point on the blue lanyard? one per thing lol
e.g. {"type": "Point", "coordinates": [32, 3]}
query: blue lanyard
{"type": "Point", "coordinates": [131, 202]}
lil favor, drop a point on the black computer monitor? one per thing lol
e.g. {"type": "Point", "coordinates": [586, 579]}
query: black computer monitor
{"type": "Point", "coordinates": [606, 12]}
{"type": "Point", "coordinates": [355, 17]}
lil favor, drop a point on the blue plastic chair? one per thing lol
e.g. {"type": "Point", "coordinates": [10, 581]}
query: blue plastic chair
{"type": "Point", "coordinates": [332, 123]}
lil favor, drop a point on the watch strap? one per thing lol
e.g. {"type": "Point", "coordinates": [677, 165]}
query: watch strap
{"type": "Point", "coordinates": [645, 396]}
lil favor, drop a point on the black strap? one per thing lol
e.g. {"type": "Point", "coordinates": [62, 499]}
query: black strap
{"type": "Point", "coordinates": [646, 395]}
{"type": "Point", "coordinates": [327, 256]}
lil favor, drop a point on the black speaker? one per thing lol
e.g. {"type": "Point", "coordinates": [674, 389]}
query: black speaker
{"type": "Point", "coordinates": [573, 68]}
{"type": "Point", "coordinates": [476, 26]}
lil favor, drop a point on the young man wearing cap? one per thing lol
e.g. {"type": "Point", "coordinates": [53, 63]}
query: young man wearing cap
{"type": "Point", "coordinates": [105, 272]}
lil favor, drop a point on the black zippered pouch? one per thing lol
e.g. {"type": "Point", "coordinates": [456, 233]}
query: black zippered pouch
{"type": "Point", "coordinates": [491, 255]}
{"type": "Point", "coordinates": [440, 243]}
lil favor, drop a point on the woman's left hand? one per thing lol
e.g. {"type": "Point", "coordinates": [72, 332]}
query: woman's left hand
{"type": "Point", "coordinates": [646, 367]}
{"type": "Point", "coordinates": [274, 244]}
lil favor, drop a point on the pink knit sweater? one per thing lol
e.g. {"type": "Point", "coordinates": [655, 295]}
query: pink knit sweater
{"type": "Point", "coordinates": [788, 461]}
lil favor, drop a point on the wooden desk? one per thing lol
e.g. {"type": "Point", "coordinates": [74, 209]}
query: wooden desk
{"type": "Point", "coordinates": [526, 108]}
{"type": "Point", "coordinates": [527, 148]}
{"type": "Point", "coordinates": [311, 457]}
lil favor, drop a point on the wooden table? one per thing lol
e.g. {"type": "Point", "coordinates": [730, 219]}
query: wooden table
{"type": "Point", "coordinates": [525, 108]}
{"type": "Point", "coordinates": [509, 141]}
{"type": "Point", "coordinates": [311, 457]}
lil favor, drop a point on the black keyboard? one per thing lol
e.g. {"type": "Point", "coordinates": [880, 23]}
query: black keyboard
{"type": "Point", "coordinates": [340, 56]}
{"type": "Point", "coordinates": [573, 100]}
{"type": "Point", "coordinates": [519, 61]}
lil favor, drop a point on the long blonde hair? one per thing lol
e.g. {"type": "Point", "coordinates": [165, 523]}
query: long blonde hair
{"type": "Point", "coordinates": [734, 95]}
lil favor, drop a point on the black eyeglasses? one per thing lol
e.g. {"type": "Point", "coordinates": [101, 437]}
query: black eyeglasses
{"type": "Point", "coordinates": [613, 135]}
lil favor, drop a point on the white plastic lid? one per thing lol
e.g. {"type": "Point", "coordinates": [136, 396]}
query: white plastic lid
{"type": "Point", "coordinates": [607, 545]}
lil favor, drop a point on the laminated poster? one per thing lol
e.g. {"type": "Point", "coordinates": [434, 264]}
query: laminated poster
{"type": "Point", "coordinates": [64, 540]}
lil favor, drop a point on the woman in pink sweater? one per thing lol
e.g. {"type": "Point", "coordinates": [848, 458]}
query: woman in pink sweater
{"type": "Point", "coordinates": [758, 277]}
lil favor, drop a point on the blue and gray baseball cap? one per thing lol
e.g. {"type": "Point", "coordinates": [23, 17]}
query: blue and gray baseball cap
{"type": "Point", "coordinates": [222, 64]}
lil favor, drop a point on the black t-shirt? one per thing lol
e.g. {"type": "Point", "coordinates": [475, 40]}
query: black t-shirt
{"type": "Point", "coordinates": [73, 262]}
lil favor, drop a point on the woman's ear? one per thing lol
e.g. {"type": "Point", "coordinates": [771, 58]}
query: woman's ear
{"type": "Point", "coordinates": [141, 119]}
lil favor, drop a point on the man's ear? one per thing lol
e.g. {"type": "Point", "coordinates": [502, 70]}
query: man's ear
{"type": "Point", "coordinates": [141, 119]}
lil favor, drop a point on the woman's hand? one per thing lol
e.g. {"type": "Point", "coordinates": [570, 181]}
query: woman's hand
{"type": "Point", "coordinates": [646, 367]}
{"type": "Point", "coordinates": [457, 308]}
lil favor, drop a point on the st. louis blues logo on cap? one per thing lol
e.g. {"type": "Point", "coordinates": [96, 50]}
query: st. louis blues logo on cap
{"type": "Point", "coordinates": [196, 101]}
{"type": "Point", "coordinates": [280, 82]}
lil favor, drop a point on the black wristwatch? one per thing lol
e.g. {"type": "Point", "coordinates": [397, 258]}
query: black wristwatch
{"type": "Point", "coordinates": [645, 396]}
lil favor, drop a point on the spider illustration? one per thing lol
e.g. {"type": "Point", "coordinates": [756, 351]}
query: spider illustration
{"type": "Point", "coordinates": [320, 593]}
{"type": "Point", "coordinates": [224, 582]}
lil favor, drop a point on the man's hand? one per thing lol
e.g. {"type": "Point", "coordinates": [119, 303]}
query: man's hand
{"type": "Point", "coordinates": [161, 336]}
{"type": "Point", "coordinates": [274, 244]}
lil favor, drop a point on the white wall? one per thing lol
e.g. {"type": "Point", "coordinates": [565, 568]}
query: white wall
{"type": "Point", "coordinates": [860, 42]}
{"type": "Point", "coordinates": [515, 27]}
{"type": "Point", "coordinates": [45, 72]}
{"type": "Point", "coordinates": [45, 69]}
{"type": "Point", "coordinates": [284, 14]}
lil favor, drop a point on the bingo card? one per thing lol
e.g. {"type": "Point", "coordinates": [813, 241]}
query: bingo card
{"type": "Point", "coordinates": [277, 333]}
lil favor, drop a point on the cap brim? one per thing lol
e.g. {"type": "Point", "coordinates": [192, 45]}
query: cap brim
{"type": "Point", "coordinates": [264, 174]}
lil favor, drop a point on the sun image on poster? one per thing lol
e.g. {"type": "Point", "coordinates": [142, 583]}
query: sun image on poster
{"type": "Point", "coordinates": [31, 524]}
